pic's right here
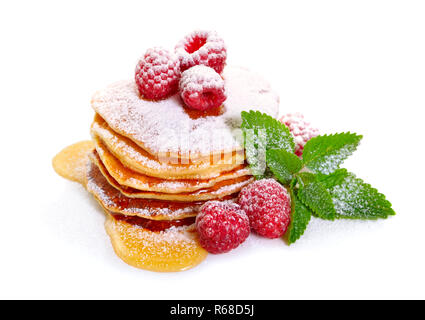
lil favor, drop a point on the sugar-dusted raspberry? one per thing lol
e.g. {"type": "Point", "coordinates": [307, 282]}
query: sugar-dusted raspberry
{"type": "Point", "coordinates": [202, 88]}
{"type": "Point", "coordinates": [222, 226]}
{"type": "Point", "coordinates": [157, 74]}
{"type": "Point", "coordinates": [300, 129]}
{"type": "Point", "coordinates": [202, 48]}
{"type": "Point", "coordinates": [268, 207]}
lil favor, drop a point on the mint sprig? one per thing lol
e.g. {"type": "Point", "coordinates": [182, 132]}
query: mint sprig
{"type": "Point", "coordinates": [316, 183]}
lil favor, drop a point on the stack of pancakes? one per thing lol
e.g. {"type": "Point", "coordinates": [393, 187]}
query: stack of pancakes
{"type": "Point", "coordinates": [155, 162]}
{"type": "Point", "coordinates": [154, 190]}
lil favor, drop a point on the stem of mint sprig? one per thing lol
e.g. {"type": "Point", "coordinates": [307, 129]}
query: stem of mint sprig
{"type": "Point", "coordinates": [316, 183]}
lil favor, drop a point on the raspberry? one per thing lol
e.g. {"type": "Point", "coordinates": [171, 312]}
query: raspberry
{"type": "Point", "coordinates": [222, 226]}
{"type": "Point", "coordinates": [202, 48]}
{"type": "Point", "coordinates": [300, 129]}
{"type": "Point", "coordinates": [202, 88]}
{"type": "Point", "coordinates": [157, 74]}
{"type": "Point", "coordinates": [268, 207]}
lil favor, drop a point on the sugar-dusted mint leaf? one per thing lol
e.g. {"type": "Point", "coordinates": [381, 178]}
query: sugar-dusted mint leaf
{"type": "Point", "coordinates": [315, 196]}
{"type": "Point", "coordinates": [355, 199]}
{"type": "Point", "coordinates": [300, 217]}
{"type": "Point", "coordinates": [324, 154]}
{"type": "Point", "coordinates": [277, 134]}
{"type": "Point", "coordinates": [283, 164]}
{"type": "Point", "coordinates": [262, 132]}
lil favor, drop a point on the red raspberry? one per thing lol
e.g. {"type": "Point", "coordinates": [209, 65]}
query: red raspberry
{"type": "Point", "coordinates": [202, 88]}
{"type": "Point", "coordinates": [268, 207]}
{"type": "Point", "coordinates": [222, 226]}
{"type": "Point", "coordinates": [300, 129]}
{"type": "Point", "coordinates": [157, 74]}
{"type": "Point", "coordinates": [202, 48]}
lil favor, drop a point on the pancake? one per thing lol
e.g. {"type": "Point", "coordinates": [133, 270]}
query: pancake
{"type": "Point", "coordinates": [113, 200]}
{"type": "Point", "coordinates": [218, 191]}
{"type": "Point", "coordinates": [165, 126]}
{"type": "Point", "coordinates": [176, 249]}
{"type": "Point", "coordinates": [137, 159]}
{"type": "Point", "coordinates": [153, 225]}
{"type": "Point", "coordinates": [129, 178]}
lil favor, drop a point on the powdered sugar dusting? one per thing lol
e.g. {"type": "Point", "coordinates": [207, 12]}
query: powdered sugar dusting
{"type": "Point", "coordinates": [329, 163]}
{"type": "Point", "coordinates": [171, 235]}
{"type": "Point", "coordinates": [158, 126]}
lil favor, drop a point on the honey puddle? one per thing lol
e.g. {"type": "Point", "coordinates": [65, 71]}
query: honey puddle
{"type": "Point", "coordinates": [171, 250]}
{"type": "Point", "coordinates": [71, 162]}
{"type": "Point", "coordinates": [174, 249]}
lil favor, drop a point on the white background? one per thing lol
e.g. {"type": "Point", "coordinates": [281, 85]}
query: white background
{"type": "Point", "coordinates": [347, 65]}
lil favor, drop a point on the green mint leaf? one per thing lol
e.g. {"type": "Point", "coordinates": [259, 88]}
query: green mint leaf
{"type": "Point", "coordinates": [355, 199]}
{"type": "Point", "coordinates": [262, 132]}
{"type": "Point", "coordinates": [315, 196]}
{"type": "Point", "coordinates": [277, 134]}
{"type": "Point", "coordinates": [335, 178]}
{"type": "Point", "coordinates": [283, 164]}
{"type": "Point", "coordinates": [300, 217]}
{"type": "Point", "coordinates": [324, 154]}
